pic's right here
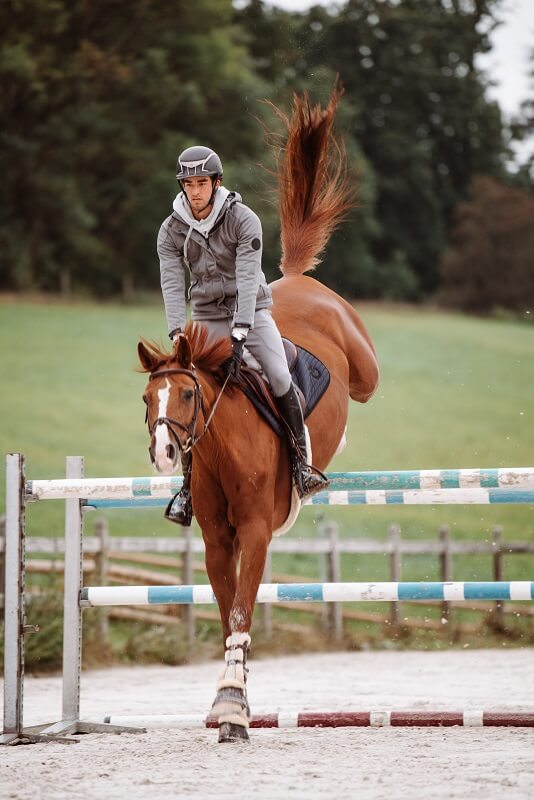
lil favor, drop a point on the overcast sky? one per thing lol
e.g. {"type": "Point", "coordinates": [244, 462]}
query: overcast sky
{"type": "Point", "coordinates": [508, 63]}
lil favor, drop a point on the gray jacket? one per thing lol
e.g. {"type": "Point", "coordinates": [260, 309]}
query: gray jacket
{"type": "Point", "coordinates": [225, 266]}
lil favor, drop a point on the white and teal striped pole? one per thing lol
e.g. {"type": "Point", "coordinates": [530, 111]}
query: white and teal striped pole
{"type": "Point", "coordinates": [457, 591]}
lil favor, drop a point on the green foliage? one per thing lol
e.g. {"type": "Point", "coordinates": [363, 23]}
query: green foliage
{"type": "Point", "coordinates": [168, 645]}
{"type": "Point", "coordinates": [43, 649]}
{"type": "Point", "coordinates": [489, 263]}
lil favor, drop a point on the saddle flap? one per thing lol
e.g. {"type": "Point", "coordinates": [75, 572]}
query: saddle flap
{"type": "Point", "coordinates": [310, 376]}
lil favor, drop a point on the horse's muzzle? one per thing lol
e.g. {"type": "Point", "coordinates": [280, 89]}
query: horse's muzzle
{"type": "Point", "coordinates": [165, 463]}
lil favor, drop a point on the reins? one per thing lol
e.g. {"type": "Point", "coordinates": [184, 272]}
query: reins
{"type": "Point", "coordinates": [171, 423]}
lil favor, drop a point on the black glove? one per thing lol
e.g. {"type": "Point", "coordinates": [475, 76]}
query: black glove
{"type": "Point", "coordinates": [233, 365]}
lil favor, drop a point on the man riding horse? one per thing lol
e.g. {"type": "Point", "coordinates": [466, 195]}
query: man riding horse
{"type": "Point", "coordinates": [213, 233]}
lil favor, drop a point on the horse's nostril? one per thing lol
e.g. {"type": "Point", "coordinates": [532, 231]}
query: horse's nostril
{"type": "Point", "coordinates": [171, 452]}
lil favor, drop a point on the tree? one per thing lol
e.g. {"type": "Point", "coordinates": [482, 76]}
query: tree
{"type": "Point", "coordinates": [523, 132]}
{"type": "Point", "coordinates": [419, 113]}
{"type": "Point", "coordinates": [489, 261]}
{"type": "Point", "coordinates": [96, 109]}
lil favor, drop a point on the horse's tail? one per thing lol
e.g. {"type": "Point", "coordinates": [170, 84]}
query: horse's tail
{"type": "Point", "coordinates": [314, 184]}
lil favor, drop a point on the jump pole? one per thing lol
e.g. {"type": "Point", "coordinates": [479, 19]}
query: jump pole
{"type": "Point", "coordinates": [340, 719]}
{"type": "Point", "coordinates": [163, 487]}
{"type": "Point", "coordinates": [456, 591]}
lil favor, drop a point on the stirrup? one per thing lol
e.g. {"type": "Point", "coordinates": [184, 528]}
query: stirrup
{"type": "Point", "coordinates": [308, 480]}
{"type": "Point", "coordinates": [180, 509]}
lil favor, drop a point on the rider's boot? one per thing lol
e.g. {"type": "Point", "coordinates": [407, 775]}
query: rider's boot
{"type": "Point", "coordinates": [307, 479]}
{"type": "Point", "coordinates": [180, 509]}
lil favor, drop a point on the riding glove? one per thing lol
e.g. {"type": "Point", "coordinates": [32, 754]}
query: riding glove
{"type": "Point", "coordinates": [238, 338]}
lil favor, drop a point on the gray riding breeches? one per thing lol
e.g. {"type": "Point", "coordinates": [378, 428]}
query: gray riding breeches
{"type": "Point", "coordinates": [264, 343]}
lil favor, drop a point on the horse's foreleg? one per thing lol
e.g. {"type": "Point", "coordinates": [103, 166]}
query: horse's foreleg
{"type": "Point", "coordinates": [221, 566]}
{"type": "Point", "coordinates": [231, 704]}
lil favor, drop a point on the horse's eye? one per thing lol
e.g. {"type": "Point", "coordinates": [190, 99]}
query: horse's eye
{"type": "Point", "coordinates": [188, 395]}
{"type": "Point", "coordinates": [145, 399]}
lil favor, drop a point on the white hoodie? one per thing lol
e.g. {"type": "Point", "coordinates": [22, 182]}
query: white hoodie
{"type": "Point", "coordinates": [203, 226]}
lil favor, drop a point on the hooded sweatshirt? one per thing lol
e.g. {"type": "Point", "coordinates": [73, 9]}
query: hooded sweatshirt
{"type": "Point", "coordinates": [223, 254]}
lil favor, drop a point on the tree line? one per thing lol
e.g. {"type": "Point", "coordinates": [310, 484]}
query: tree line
{"type": "Point", "coordinates": [99, 98]}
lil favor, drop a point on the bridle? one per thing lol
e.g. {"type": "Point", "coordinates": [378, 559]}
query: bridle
{"type": "Point", "coordinates": [173, 424]}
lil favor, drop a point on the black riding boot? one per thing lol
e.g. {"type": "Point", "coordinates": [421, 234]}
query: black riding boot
{"type": "Point", "coordinates": [307, 479]}
{"type": "Point", "coordinates": [180, 509]}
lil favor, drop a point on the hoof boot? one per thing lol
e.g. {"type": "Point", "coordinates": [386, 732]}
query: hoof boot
{"type": "Point", "coordinates": [231, 695]}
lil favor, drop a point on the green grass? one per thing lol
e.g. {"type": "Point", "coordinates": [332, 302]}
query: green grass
{"type": "Point", "coordinates": [455, 392]}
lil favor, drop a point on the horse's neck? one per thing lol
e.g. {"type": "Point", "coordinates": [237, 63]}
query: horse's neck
{"type": "Point", "coordinates": [210, 390]}
{"type": "Point", "coordinates": [212, 399]}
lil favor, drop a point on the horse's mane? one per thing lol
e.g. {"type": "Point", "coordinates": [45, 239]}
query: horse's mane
{"type": "Point", "coordinates": [205, 355]}
{"type": "Point", "coordinates": [314, 184]}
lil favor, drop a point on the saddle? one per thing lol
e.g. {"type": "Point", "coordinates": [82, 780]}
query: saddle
{"type": "Point", "coordinates": [309, 374]}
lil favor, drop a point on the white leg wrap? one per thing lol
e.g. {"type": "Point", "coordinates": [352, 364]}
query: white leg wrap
{"type": "Point", "coordinates": [237, 683]}
{"type": "Point", "coordinates": [235, 719]}
{"type": "Point", "coordinates": [233, 673]}
{"type": "Point", "coordinates": [238, 640]}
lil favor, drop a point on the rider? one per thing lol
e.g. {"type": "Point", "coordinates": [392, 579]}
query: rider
{"type": "Point", "coordinates": [219, 239]}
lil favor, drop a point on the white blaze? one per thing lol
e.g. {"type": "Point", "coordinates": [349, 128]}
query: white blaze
{"type": "Point", "coordinates": [163, 463]}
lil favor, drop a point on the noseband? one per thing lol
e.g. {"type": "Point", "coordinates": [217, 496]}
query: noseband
{"type": "Point", "coordinates": [171, 423]}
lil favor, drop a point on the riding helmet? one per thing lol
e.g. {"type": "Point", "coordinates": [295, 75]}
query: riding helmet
{"type": "Point", "coordinates": [198, 161]}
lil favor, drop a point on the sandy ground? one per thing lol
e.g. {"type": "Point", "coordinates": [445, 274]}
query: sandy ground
{"type": "Point", "coordinates": [365, 763]}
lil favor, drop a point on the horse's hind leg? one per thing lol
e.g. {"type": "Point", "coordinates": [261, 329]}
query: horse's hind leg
{"type": "Point", "coordinates": [231, 704]}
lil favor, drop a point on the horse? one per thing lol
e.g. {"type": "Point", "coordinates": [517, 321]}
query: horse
{"type": "Point", "coordinates": [241, 478]}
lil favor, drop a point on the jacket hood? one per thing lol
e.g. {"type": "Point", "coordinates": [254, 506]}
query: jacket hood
{"type": "Point", "coordinates": [223, 200]}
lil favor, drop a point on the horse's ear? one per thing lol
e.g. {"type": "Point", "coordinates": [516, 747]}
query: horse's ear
{"type": "Point", "coordinates": [148, 360]}
{"type": "Point", "coordinates": [182, 351]}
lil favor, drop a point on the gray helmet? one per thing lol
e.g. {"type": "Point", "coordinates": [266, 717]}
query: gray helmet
{"type": "Point", "coordinates": [198, 161]}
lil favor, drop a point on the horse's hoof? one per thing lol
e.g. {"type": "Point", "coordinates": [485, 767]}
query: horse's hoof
{"type": "Point", "coordinates": [230, 732]}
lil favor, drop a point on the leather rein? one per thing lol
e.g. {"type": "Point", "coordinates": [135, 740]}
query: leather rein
{"type": "Point", "coordinates": [189, 429]}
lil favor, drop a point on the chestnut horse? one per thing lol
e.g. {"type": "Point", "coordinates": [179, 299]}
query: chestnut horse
{"type": "Point", "coordinates": [241, 477]}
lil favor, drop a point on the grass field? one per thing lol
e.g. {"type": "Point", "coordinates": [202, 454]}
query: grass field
{"type": "Point", "coordinates": [454, 392]}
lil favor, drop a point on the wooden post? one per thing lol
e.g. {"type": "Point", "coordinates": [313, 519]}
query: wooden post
{"type": "Point", "coordinates": [335, 610]}
{"type": "Point", "coordinates": [445, 569]}
{"type": "Point", "coordinates": [266, 608]}
{"type": "Point", "coordinates": [101, 531]}
{"type": "Point", "coordinates": [498, 570]}
{"type": "Point", "coordinates": [395, 570]}
{"type": "Point", "coordinates": [188, 579]}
